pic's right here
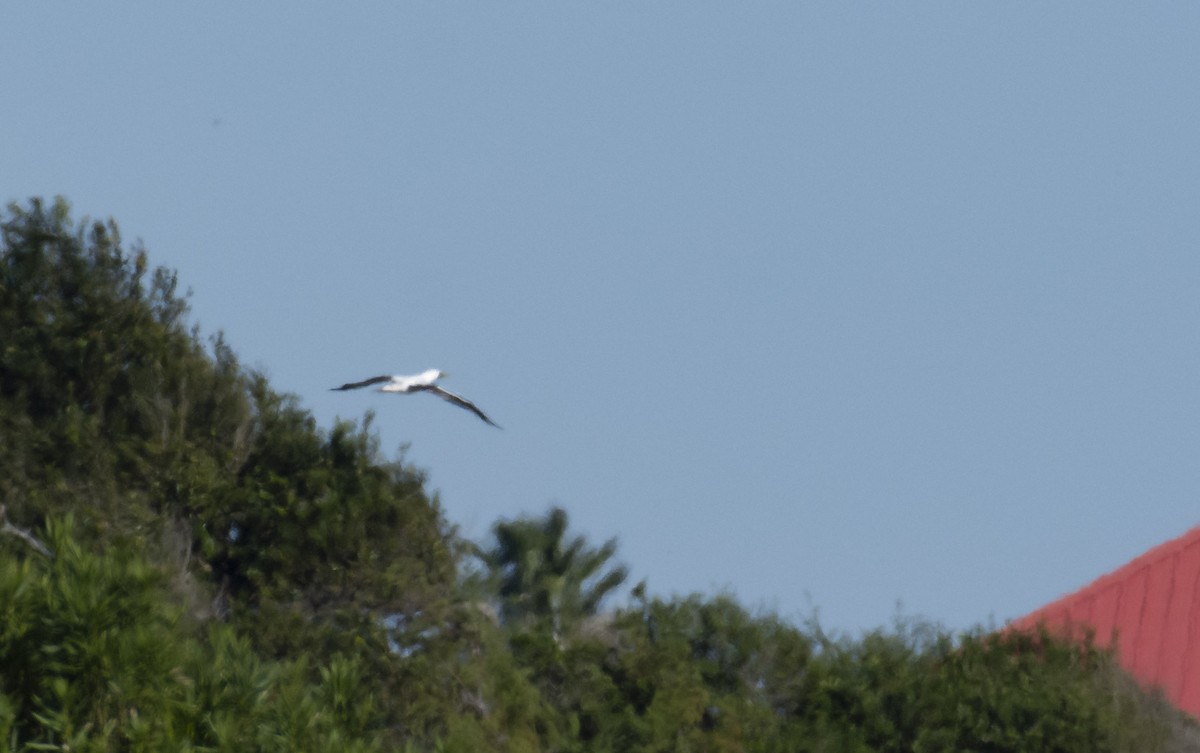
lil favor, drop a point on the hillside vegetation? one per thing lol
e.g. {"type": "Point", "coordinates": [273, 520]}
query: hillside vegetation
{"type": "Point", "coordinates": [189, 563]}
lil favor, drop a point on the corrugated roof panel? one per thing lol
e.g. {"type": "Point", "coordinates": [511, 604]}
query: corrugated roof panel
{"type": "Point", "coordinates": [1189, 696]}
{"type": "Point", "coordinates": [1079, 611]}
{"type": "Point", "coordinates": [1176, 630]}
{"type": "Point", "coordinates": [1129, 612]}
{"type": "Point", "coordinates": [1104, 614]}
{"type": "Point", "coordinates": [1153, 621]}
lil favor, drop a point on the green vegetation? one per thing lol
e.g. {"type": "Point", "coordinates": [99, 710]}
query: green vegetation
{"type": "Point", "coordinates": [188, 563]}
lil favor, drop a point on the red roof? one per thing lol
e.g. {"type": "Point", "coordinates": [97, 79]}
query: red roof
{"type": "Point", "coordinates": [1152, 607]}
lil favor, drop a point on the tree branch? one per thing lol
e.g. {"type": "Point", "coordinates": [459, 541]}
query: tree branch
{"type": "Point", "coordinates": [22, 534]}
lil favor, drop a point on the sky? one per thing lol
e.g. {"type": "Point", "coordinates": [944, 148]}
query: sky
{"type": "Point", "coordinates": [860, 309]}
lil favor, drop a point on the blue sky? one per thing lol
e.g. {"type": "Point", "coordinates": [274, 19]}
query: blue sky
{"type": "Point", "coordinates": [832, 306]}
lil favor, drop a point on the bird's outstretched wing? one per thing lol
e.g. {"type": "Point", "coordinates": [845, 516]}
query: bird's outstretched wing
{"type": "Point", "coordinates": [363, 383]}
{"type": "Point", "coordinates": [458, 400]}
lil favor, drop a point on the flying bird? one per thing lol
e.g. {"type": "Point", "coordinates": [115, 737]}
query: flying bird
{"type": "Point", "coordinates": [423, 382]}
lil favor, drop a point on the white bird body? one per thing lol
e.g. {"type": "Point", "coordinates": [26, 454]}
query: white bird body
{"type": "Point", "coordinates": [407, 384]}
{"type": "Point", "coordinates": [426, 381]}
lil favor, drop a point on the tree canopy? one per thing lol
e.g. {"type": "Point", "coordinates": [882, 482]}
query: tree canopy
{"type": "Point", "coordinates": [188, 562]}
{"type": "Point", "coordinates": [542, 577]}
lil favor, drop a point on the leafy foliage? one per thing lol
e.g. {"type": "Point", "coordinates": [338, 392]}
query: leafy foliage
{"type": "Point", "coordinates": [224, 575]}
{"type": "Point", "coordinates": [96, 657]}
{"type": "Point", "coordinates": [104, 393]}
